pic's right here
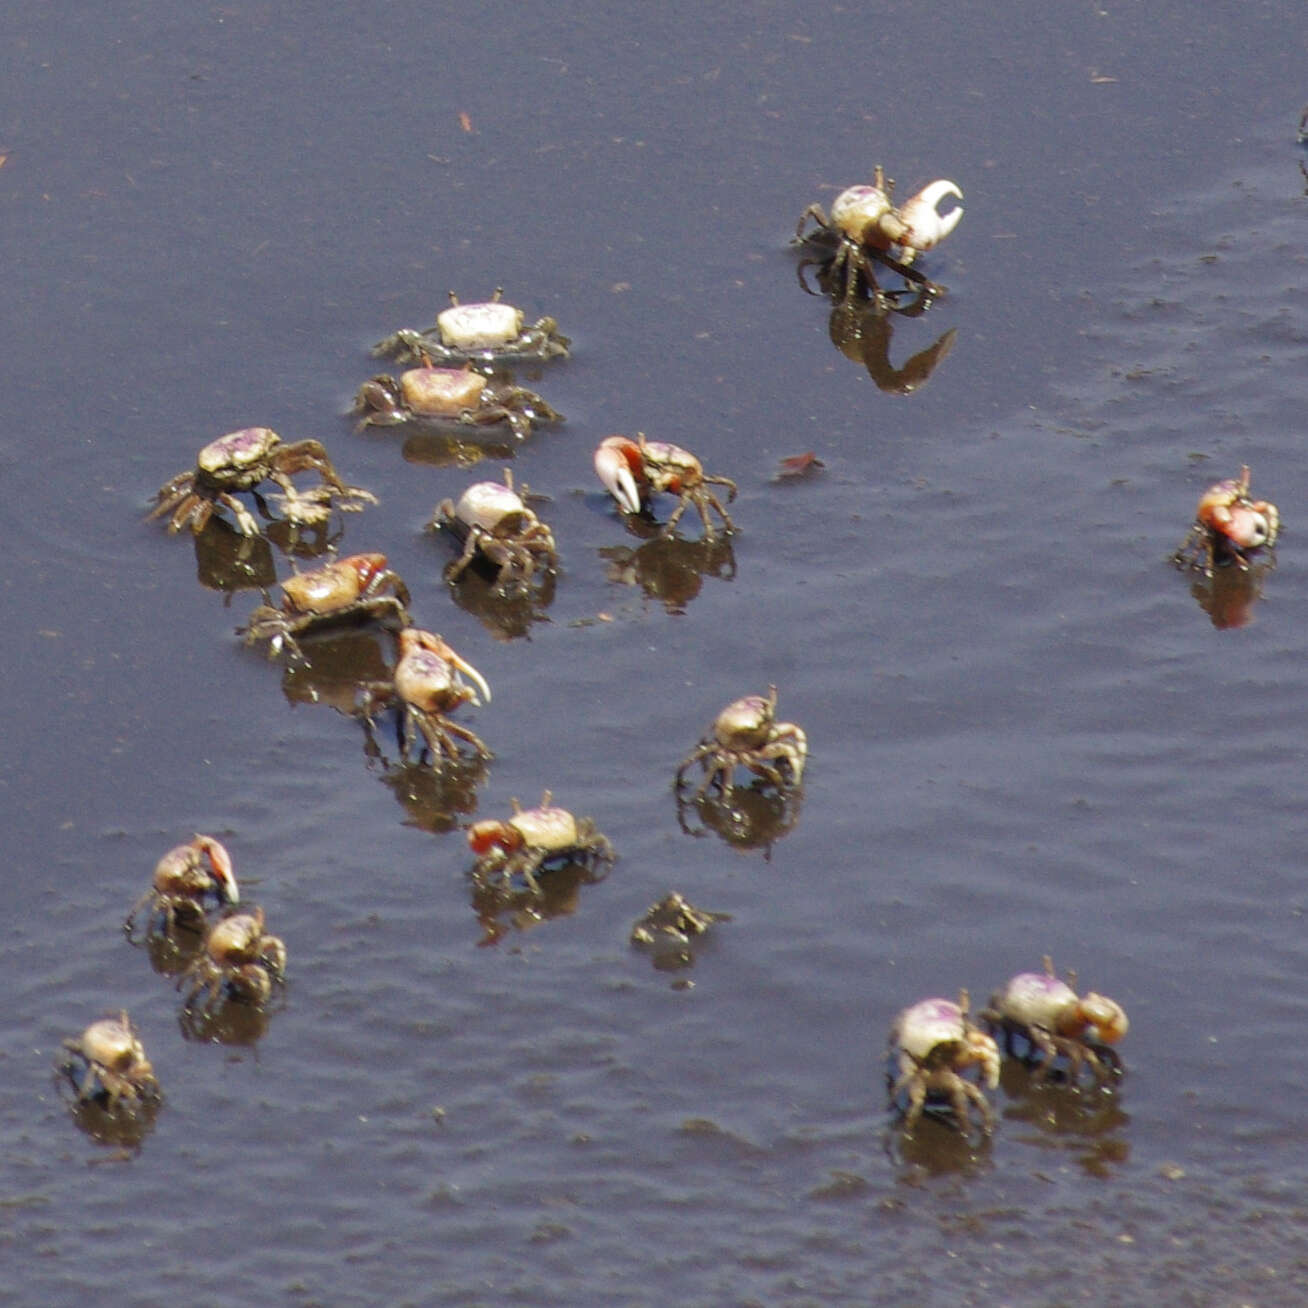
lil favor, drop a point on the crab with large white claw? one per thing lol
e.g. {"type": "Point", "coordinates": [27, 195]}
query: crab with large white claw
{"type": "Point", "coordinates": [746, 734]}
{"type": "Point", "coordinates": [239, 961]}
{"type": "Point", "coordinates": [493, 522]}
{"type": "Point", "coordinates": [184, 879]}
{"type": "Point", "coordinates": [460, 395]}
{"type": "Point", "coordinates": [1228, 525]}
{"type": "Point", "coordinates": [868, 226]}
{"type": "Point", "coordinates": [243, 460]}
{"type": "Point", "coordinates": [526, 842]}
{"type": "Point", "coordinates": [429, 684]}
{"type": "Point", "coordinates": [1056, 1021]}
{"type": "Point", "coordinates": [357, 588]}
{"type": "Point", "coordinates": [490, 332]}
{"type": "Point", "coordinates": [635, 471]}
{"type": "Point", "coordinates": [106, 1065]}
{"type": "Point", "coordinates": [932, 1045]}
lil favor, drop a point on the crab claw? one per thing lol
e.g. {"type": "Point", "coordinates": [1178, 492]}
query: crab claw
{"type": "Point", "coordinates": [413, 638]}
{"type": "Point", "coordinates": [924, 227]}
{"type": "Point", "coordinates": [220, 866]}
{"type": "Point", "coordinates": [614, 461]}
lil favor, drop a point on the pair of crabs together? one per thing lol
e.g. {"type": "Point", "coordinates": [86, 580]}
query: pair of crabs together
{"type": "Point", "coordinates": [430, 679]}
{"type": "Point", "coordinates": [934, 1043]}
{"type": "Point", "coordinates": [238, 958]}
{"type": "Point", "coordinates": [866, 226]}
{"type": "Point", "coordinates": [485, 334]}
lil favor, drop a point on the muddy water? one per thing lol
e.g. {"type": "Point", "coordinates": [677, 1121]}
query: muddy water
{"type": "Point", "coordinates": [1028, 735]}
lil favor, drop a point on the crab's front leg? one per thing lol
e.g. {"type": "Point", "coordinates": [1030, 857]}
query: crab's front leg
{"type": "Point", "coordinates": [818, 215]}
{"type": "Point", "coordinates": [471, 546]}
{"type": "Point", "coordinates": [244, 518]}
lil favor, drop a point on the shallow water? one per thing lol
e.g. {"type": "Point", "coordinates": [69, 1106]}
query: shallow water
{"type": "Point", "coordinates": [1027, 736]}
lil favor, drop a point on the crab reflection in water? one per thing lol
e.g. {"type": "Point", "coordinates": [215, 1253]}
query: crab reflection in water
{"type": "Point", "coordinates": [668, 569]}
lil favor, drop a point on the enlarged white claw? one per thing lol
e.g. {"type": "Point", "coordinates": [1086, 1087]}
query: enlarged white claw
{"type": "Point", "coordinates": [613, 470]}
{"type": "Point", "coordinates": [923, 226]}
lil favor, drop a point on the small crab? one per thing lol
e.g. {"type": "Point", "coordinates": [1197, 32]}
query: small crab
{"type": "Point", "coordinates": [357, 588]}
{"type": "Point", "coordinates": [183, 878]}
{"type": "Point", "coordinates": [486, 333]}
{"type": "Point", "coordinates": [1227, 525]}
{"type": "Point", "coordinates": [1055, 1020]}
{"type": "Point", "coordinates": [674, 920]}
{"type": "Point", "coordinates": [493, 522]}
{"type": "Point", "coordinates": [747, 734]}
{"type": "Point", "coordinates": [240, 961]}
{"type": "Point", "coordinates": [932, 1043]}
{"type": "Point", "coordinates": [429, 685]}
{"type": "Point", "coordinates": [524, 843]}
{"type": "Point", "coordinates": [460, 394]}
{"type": "Point", "coordinates": [636, 471]}
{"type": "Point", "coordinates": [867, 226]}
{"type": "Point", "coordinates": [244, 459]}
{"type": "Point", "coordinates": [106, 1065]}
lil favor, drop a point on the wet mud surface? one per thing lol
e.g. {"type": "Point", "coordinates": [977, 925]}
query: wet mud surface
{"type": "Point", "coordinates": [1028, 733]}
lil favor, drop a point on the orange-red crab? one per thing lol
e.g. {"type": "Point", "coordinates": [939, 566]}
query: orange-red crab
{"type": "Point", "coordinates": [243, 460]}
{"type": "Point", "coordinates": [1056, 1021]}
{"type": "Point", "coordinates": [106, 1065]}
{"type": "Point", "coordinates": [240, 961]}
{"type": "Point", "coordinates": [531, 838]}
{"type": "Point", "coordinates": [460, 394]}
{"type": "Point", "coordinates": [635, 471]}
{"type": "Point", "coordinates": [867, 226]}
{"type": "Point", "coordinates": [493, 522]}
{"type": "Point", "coordinates": [1227, 526]}
{"type": "Point", "coordinates": [184, 878]}
{"type": "Point", "coordinates": [487, 333]}
{"type": "Point", "coordinates": [932, 1043]}
{"type": "Point", "coordinates": [357, 588]}
{"type": "Point", "coordinates": [746, 734]}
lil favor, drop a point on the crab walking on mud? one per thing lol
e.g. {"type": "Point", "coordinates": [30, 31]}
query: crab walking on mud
{"type": "Point", "coordinates": [635, 471]}
{"type": "Point", "coordinates": [492, 522]}
{"type": "Point", "coordinates": [106, 1065]}
{"type": "Point", "coordinates": [429, 685]}
{"type": "Point", "coordinates": [489, 332]}
{"type": "Point", "coordinates": [746, 734]}
{"type": "Point", "coordinates": [183, 879]}
{"type": "Point", "coordinates": [357, 588]}
{"type": "Point", "coordinates": [867, 226]}
{"type": "Point", "coordinates": [460, 395]}
{"type": "Point", "coordinates": [243, 460]}
{"type": "Point", "coordinates": [1227, 526]}
{"type": "Point", "coordinates": [239, 961]}
{"type": "Point", "coordinates": [524, 843]}
{"type": "Point", "coordinates": [1056, 1021]}
{"type": "Point", "coordinates": [932, 1045]}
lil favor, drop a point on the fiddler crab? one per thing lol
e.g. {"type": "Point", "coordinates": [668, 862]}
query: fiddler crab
{"type": "Point", "coordinates": [1227, 526]}
{"type": "Point", "coordinates": [239, 961]}
{"type": "Point", "coordinates": [867, 226]}
{"type": "Point", "coordinates": [532, 838]}
{"type": "Point", "coordinates": [243, 460]}
{"type": "Point", "coordinates": [674, 919]}
{"type": "Point", "coordinates": [494, 523]}
{"type": "Point", "coordinates": [184, 878]}
{"type": "Point", "coordinates": [487, 333]}
{"type": "Point", "coordinates": [1055, 1020]}
{"type": "Point", "coordinates": [357, 588]}
{"type": "Point", "coordinates": [746, 734]}
{"type": "Point", "coordinates": [106, 1065]}
{"type": "Point", "coordinates": [932, 1045]}
{"type": "Point", "coordinates": [428, 685]}
{"type": "Point", "coordinates": [635, 471]}
{"type": "Point", "coordinates": [460, 394]}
